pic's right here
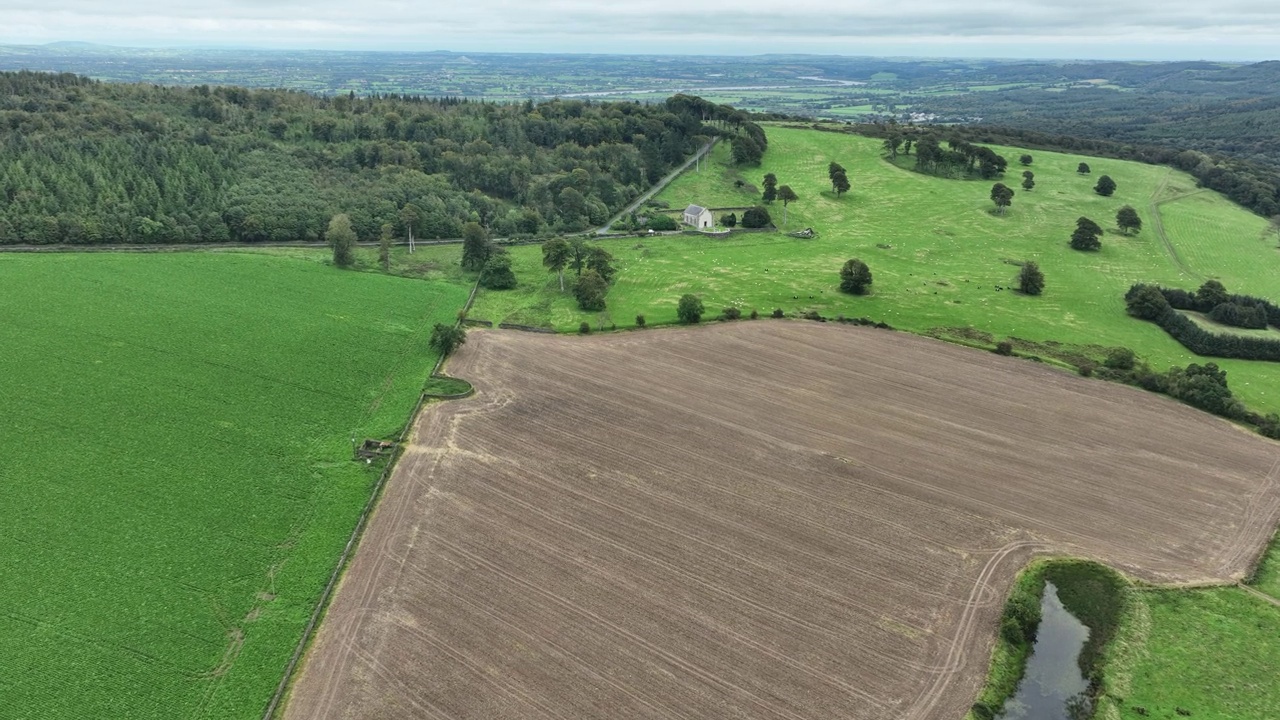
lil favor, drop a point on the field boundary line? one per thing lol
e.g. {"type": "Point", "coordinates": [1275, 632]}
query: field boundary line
{"type": "Point", "coordinates": [353, 542]}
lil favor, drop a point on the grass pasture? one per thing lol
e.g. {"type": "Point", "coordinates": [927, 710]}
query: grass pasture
{"type": "Point", "coordinates": [937, 251]}
{"type": "Point", "coordinates": [178, 478]}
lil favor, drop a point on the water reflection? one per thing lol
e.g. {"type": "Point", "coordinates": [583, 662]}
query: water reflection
{"type": "Point", "coordinates": [1053, 687]}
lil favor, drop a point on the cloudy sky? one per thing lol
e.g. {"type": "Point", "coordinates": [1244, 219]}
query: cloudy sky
{"type": "Point", "coordinates": [1121, 29]}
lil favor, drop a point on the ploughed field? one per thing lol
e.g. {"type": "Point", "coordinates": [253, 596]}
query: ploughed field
{"type": "Point", "coordinates": [768, 519]}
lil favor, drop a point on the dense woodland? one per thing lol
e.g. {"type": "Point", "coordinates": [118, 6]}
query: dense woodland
{"type": "Point", "coordinates": [87, 162]}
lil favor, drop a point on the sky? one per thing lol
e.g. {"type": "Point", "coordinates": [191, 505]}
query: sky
{"type": "Point", "coordinates": [1247, 30]}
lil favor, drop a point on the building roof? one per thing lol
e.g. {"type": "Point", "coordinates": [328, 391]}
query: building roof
{"type": "Point", "coordinates": [694, 210]}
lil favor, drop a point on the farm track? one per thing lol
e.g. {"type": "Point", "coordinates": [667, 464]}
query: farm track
{"type": "Point", "coordinates": [759, 520]}
{"type": "Point", "coordinates": [1157, 224]}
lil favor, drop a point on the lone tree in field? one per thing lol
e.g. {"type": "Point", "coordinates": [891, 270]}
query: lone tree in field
{"type": "Point", "coordinates": [834, 169]}
{"type": "Point", "coordinates": [1028, 180]}
{"type": "Point", "coordinates": [787, 196]}
{"type": "Point", "coordinates": [1002, 196]}
{"type": "Point", "coordinates": [1105, 187]}
{"type": "Point", "coordinates": [770, 187]}
{"type": "Point", "coordinates": [855, 277]}
{"type": "Point", "coordinates": [690, 309]}
{"type": "Point", "coordinates": [343, 241]}
{"type": "Point", "coordinates": [1086, 235]}
{"type": "Point", "coordinates": [555, 257]}
{"type": "Point", "coordinates": [384, 246]}
{"type": "Point", "coordinates": [475, 247]}
{"type": "Point", "coordinates": [1030, 279]}
{"type": "Point", "coordinates": [447, 338]}
{"type": "Point", "coordinates": [840, 183]}
{"type": "Point", "coordinates": [1128, 221]}
{"type": "Point", "coordinates": [590, 290]}
{"type": "Point", "coordinates": [1025, 159]}
{"type": "Point", "coordinates": [1083, 168]}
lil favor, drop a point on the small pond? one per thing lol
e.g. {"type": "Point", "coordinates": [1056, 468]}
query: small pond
{"type": "Point", "coordinates": [1053, 687]}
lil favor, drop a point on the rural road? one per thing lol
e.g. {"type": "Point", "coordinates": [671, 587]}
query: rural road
{"type": "Point", "coordinates": [657, 188]}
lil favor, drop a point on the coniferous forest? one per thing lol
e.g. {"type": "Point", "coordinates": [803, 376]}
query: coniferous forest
{"type": "Point", "coordinates": [85, 162]}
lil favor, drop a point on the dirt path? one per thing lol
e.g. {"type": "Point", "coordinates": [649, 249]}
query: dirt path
{"type": "Point", "coordinates": [756, 520]}
{"type": "Point", "coordinates": [1157, 224]}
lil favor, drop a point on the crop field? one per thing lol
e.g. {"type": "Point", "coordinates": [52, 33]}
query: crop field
{"type": "Point", "coordinates": [768, 519]}
{"type": "Point", "coordinates": [178, 481]}
{"type": "Point", "coordinates": [938, 253]}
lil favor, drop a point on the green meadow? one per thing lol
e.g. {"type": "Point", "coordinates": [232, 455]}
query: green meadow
{"type": "Point", "coordinates": [938, 252]}
{"type": "Point", "coordinates": [178, 477]}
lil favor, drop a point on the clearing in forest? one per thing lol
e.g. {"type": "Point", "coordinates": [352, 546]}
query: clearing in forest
{"type": "Point", "coordinates": [767, 519]}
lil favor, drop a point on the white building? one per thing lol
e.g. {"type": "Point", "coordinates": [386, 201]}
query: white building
{"type": "Point", "coordinates": [698, 217]}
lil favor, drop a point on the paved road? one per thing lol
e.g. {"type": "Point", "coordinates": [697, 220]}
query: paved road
{"type": "Point", "coordinates": [704, 150]}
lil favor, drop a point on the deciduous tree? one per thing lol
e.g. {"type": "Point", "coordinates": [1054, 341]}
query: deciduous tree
{"type": "Point", "coordinates": [590, 290]}
{"type": "Point", "coordinates": [1086, 235]}
{"type": "Point", "coordinates": [1025, 159]}
{"type": "Point", "coordinates": [497, 274]}
{"type": "Point", "coordinates": [840, 183]}
{"type": "Point", "coordinates": [689, 309]}
{"type": "Point", "coordinates": [1128, 221]}
{"type": "Point", "coordinates": [787, 196]}
{"type": "Point", "coordinates": [475, 247]}
{"type": "Point", "coordinates": [447, 338]}
{"type": "Point", "coordinates": [1105, 187]}
{"type": "Point", "coordinates": [555, 257]}
{"type": "Point", "coordinates": [343, 241]}
{"type": "Point", "coordinates": [1031, 279]}
{"type": "Point", "coordinates": [1028, 180]}
{"type": "Point", "coordinates": [1002, 196]}
{"type": "Point", "coordinates": [1083, 168]}
{"type": "Point", "coordinates": [855, 277]}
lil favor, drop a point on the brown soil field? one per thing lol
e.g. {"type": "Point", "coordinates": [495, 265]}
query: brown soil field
{"type": "Point", "coordinates": [769, 519]}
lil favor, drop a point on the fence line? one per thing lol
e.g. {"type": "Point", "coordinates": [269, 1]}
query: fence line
{"type": "Point", "coordinates": [322, 605]}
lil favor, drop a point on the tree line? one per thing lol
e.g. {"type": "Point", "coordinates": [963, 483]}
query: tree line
{"type": "Point", "coordinates": [1156, 304]}
{"type": "Point", "coordinates": [86, 162]}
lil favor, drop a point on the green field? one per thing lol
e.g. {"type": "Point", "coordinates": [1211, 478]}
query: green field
{"type": "Point", "coordinates": [179, 482]}
{"type": "Point", "coordinates": [1212, 652]}
{"type": "Point", "coordinates": [937, 252]}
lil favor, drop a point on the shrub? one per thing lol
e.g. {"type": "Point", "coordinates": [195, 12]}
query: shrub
{"type": "Point", "coordinates": [1086, 368]}
{"type": "Point", "coordinates": [755, 315]}
{"type": "Point", "coordinates": [1105, 187]}
{"type": "Point", "coordinates": [1004, 347]}
{"type": "Point", "coordinates": [640, 321]}
{"type": "Point", "coordinates": [731, 313]}
{"type": "Point", "coordinates": [813, 315]}
{"type": "Point", "coordinates": [662, 223]}
{"type": "Point", "coordinates": [447, 338]}
{"type": "Point", "coordinates": [690, 309]}
{"type": "Point", "coordinates": [1083, 168]}
{"type": "Point", "coordinates": [777, 313]}
{"type": "Point", "coordinates": [756, 217]}
{"type": "Point", "coordinates": [1120, 358]}
{"type": "Point", "coordinates": [983, 711]}
{"type": "Point", "coordinates": [584, 328]}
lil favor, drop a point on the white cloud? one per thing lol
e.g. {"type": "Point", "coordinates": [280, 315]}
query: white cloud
{"type": "Point", "coordinates": [1122, 27]}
